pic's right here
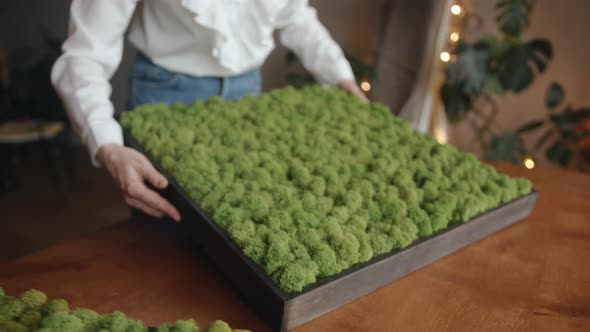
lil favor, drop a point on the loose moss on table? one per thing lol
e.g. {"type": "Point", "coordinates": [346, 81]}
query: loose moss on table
{"type": "Point", "coordinates": [32, 311]}
{"type": "Point", "coordinates": [310, 182]}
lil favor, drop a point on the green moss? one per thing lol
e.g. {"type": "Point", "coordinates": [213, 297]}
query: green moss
{"type": "Point", "coordinates": [380, 242]}
{"type": "Point", "coordinates": [314, 176]}
{"type": "Point", "coordinates": [91, 319]}
{"type": "Point", "coordinates": [256, 249]}
{"type": "Point", "coordinates": [185, 326]}
{"type": "Point", "coordinates": [33, 298]}
{"type": "Point", "coordinates": [12, 326]}
{"type": "Point", "coordinates": [115, 322]}
{"type": "Point", "coordinates": [54, 306]}
{"type": "Point", "coordinates": [165, 327]}
{"type": "Point", "coordinates": [299, 274]}
{"type": "Point", "coordinates": [422, 221]}
{"type": "Point", "coordinates": [12, 309]}
{"type": "Point", "coordinates": [242, 232]}
{"type": "Point", "coordinates": [305, 219]}
{"type": "Point", "coordinates": [258, 205]}
{"type": "Point", "coordinates": [219, 326]}
{"type": "Point", "coordinates": [31, 318]}
{"type": "Point", "coordinates": [64, 321]}
{"type": "Point", "coordinates": [135, 326]}
{"type": "Point", "coordinates": [279, 253]}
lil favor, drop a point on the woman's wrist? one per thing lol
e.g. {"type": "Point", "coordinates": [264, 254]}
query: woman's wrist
{"type": "Point", "coordinates": [105, 153]}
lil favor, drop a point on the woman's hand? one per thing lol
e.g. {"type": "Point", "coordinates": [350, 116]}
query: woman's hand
{"type": "Point", "coordinates": [130, 169]}
{"type": "Point", "coordinates": [351, 87]}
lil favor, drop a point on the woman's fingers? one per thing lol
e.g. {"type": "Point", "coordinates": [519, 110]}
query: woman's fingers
{"type": "Point", "coordinates": [355, 91]}
{"type": "Point", "coordinates": [139, 191]}
{"type": "Point", "coordinates": [129, 168]}
{"type": "Point", "coordinates": [351, 87]}
{"type": "Point", "coordinates": [143, 207]}
{"type": "Point", "coordinates": [148, 172]}
{"type": "Point", "coordinates": [154, 177]}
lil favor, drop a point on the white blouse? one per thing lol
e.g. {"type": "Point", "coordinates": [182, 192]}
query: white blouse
{"type": "Point", "coordinates": [194, 37]}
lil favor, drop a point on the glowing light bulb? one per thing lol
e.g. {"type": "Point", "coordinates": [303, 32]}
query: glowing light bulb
{"type": "Point", "coordinates": [456, 9]}
{"type": "Point", "coordinates": [441, 136]}
{"type": "Point", "coordinates": [529, 163]}
{"type": "Point", "coordinates": [445, 56]}
{"type": "Point", "coordinates": [365, 86]}
{"type": "Point", "coordinates": [454, 36]}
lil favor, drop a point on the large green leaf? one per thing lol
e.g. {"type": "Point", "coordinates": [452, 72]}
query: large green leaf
{"type": "Point", "coordinates": [455, 101]}
{"type": "Point", "coordinates": [496, 47]}
{"type": "Point", "coordinates": [569, 120]}
{"type": "Point", "coordinates": [558, 152]}
{"type": "Point", "coordinates": [494, 85]}
{"type": "Point", "coordinates": [507, 147]}
{"type": "Point", "coordinates": [471, 68]}
{"type": "Point", "coordinates": [571, 116]}
{"type": "Point", "coordinates": [540, 51]}
{"type": "Point", "coordinates": [514, 15]}
{"type": "Point", "coordinates": [517, 67]}
{"type": "Point", "coordinates": [514, 71]}
{"type": "Point", "coordinates": [554, 95]}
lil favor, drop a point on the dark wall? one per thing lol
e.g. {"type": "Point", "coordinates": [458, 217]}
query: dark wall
{"type": "Point", "coordinates": [23, 23]}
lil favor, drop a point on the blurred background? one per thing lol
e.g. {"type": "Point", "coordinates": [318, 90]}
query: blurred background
{"type": "Point", "coordinates": [506, 80]}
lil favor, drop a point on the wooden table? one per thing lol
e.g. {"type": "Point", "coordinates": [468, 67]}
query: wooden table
{"type": "Point", "coordinates": [533, 276]}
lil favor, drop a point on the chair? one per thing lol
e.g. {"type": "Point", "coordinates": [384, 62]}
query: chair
{"type": "Point", "coordinates": [15, 136]}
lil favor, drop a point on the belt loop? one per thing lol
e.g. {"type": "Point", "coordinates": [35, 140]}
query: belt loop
{"type": "Point", "coordinates": [224, 87]}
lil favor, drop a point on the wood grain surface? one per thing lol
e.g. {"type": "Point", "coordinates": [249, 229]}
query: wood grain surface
{"type": "Point", "coordinates": [532, 276]}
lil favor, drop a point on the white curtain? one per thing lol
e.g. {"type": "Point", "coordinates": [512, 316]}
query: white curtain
{"type": "Point", "coordinates": [408, 64]}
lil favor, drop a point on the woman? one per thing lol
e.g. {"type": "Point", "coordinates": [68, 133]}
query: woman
{"type": "Point", "coordinates": [188, 49]}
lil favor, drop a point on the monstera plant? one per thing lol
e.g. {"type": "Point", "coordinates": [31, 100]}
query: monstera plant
{"type": "Point", "coordinates": [496, 65]}
{"type": "Point", "coordinates": [493, 66]}
{"type": "Point", "coordinates": [565, 135]}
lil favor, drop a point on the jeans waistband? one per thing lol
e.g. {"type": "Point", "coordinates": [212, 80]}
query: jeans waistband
{"type": "Point", "coordinates": [142, 58]}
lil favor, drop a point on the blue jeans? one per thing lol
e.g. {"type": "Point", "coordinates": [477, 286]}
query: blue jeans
{"type": "Point", "coordinates": [152, 84]}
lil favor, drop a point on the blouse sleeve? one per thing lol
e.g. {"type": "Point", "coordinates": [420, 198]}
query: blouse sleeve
{"type": "Point", "coordinates": [301, 31]}
{"type": "Point", "coordinates": [91, 54]}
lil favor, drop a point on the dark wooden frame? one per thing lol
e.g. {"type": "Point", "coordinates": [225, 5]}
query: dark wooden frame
{"type": "Point", "coordinates": [284, 311]}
